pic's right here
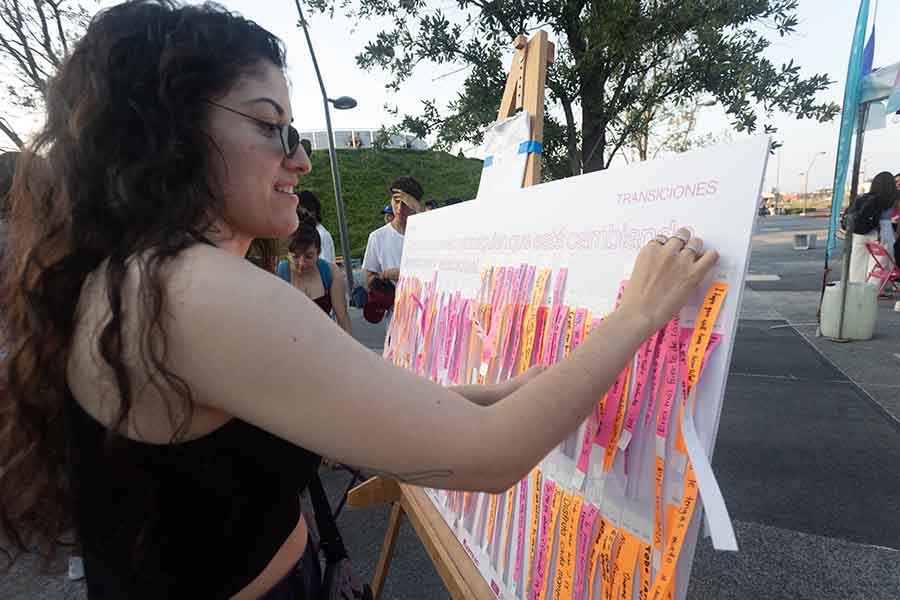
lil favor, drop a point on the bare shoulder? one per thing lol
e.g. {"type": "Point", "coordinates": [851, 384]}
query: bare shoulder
{"type": "Point", "coordinates": [192, 283]}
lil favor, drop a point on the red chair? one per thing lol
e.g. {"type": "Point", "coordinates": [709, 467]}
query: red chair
{"type": "Point", "coordinates": [884, 270]}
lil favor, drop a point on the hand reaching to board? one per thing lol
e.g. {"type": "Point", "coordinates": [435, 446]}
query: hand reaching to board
{"type": "Point", "coordinates": [666, 274]}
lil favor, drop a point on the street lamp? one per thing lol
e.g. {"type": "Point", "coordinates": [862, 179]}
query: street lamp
{"type": "Point", "coordinates": [343, 103]}
{"type": "Point", "coordinates": [340, 103]}
{"type": "Point", "coordinates": [806, 179]}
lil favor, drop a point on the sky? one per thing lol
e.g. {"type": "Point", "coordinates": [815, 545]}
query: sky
{"type": "Point", "coordinates": [821, 45]}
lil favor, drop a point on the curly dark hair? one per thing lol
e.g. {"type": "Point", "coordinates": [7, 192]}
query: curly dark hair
{"type": "Point", "coordinates": [126, 142]}
{"type": "Point", "coordinates": [885, 189]}
{"type": "Point", "coordinates": [306, 235]}
{"type": "Point", "coordinates": [8, 162]}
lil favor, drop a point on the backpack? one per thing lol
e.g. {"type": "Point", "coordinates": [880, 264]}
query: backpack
{"type": "Point", "coordinates": [864, 212]}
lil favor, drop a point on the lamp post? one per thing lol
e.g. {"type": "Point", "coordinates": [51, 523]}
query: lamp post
{"type": "Point", "coordinates": [778, 182]}
{"type": "Point", "coordinates": [341, 103]}
{"type": "Point", "coordinates": [806, 178]}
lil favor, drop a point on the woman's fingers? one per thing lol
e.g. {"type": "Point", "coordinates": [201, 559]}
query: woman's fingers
{"type": "Point", "coordinates": [679, 239]}
{"type": "Point", "coordinates": [694, 246]}
{"type": "Point", "coordinates": [666, 274]}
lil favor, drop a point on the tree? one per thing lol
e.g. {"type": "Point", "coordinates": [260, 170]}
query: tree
{"type": "Point", "coordinates": [618, 62]}
{"type": "Point", "coordinates": [672, 128]}
{"type": "Point", "coordinates": [35, 38]}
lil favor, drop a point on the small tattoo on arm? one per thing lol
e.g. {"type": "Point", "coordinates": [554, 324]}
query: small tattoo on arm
{"type": "Point", "coordinates": [417, 477]}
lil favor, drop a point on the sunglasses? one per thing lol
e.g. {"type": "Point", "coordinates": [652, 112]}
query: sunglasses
{"type": "Point", "coordinates": [290, 137]}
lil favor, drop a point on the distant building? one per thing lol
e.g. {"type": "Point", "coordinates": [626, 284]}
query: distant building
{"type": "Point", "coordinates": [362, 138]}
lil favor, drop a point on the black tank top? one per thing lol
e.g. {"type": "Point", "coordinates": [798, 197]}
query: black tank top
{"type": "Point", "coordinates": [200, 519]}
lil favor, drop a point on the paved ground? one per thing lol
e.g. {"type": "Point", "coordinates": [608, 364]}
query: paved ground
{"type": "Point", "coordinates": [807, 455]}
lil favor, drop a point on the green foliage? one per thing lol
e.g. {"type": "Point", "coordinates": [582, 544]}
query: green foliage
{"type": "Point", "coordinates": [365, 176]}
{"type": "Point", "coordinates": [619, 63]}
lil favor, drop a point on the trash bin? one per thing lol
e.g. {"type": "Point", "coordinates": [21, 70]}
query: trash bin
{"type": "Point", "coordinates": [860, 310]}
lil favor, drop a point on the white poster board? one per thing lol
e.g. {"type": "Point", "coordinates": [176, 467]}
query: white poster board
{"type": "Point", "coordinates": [590, 228]}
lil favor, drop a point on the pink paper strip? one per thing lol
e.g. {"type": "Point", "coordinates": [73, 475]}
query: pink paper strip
{"type": "Point", "coordinates": [656, 374]}
{"type": "Point", "coordinates": [608, 417]}
{"type": "Point", "coordinates": [521, 302]}
{"type": "Point", "coordinates": [450, 331]}
{"type": "Point", "coordinates": [670, 378]}
{"type": "Point", "coordinates": [560, 284]}
{"type": "Point", "coordinates": [461, 343]}
{"type": "Point", "coordinates": [441, 327]}
{"type": "Point", "coordinates": [640, 381]}
{"type": "Point", "coordinates": [589, 514]}
{"type": "Point", "coordinates": [540, 568]}
{"type": "Point", "coordinates": [520, 531]}
{"type": "Point", "coordinates": [559, 327]}
{"type": "Point", "coordinates": [538, 335]}
{"type": "Point", "coordinates": [587, 442]}
{"type": "Point", "coordinates": [578, 334]}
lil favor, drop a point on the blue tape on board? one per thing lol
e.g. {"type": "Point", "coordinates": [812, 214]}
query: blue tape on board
{"type": "Point", "coordinates": [531, 146]}
{"type": "Point", "coordinates": [488, 161]}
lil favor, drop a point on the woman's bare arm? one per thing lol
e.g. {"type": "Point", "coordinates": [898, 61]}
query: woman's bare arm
{"type": "Point", "coordinates": [486, 395]}
{"type": "Point", "coordinates": [247, 346]}
{"type": "Point", "coordinates": [339, 299]}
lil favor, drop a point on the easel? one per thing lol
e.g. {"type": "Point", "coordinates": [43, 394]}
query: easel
{"type": "Point", "coordinates": [524, 91]}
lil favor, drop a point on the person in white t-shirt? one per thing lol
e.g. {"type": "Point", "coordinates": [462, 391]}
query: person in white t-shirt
{"type": "Point", "coordinates": [311, 203]}
{"type": "Point", "coordinates": [384, 250]}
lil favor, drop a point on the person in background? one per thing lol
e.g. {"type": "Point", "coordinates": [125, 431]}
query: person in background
{"type": "Point", "coordinates": [895, 220]}
{"type": "Point", "coordinates": [883, 193]}
{"type": "Point", "coordinates": [311, 203]}
{"type": "Point", "coordinates": [388, 214]}
{"type": "Point", "coordinates": [889, 191]}
{"type": "Point", "coordinates": [384, 249]}
{"type": "Point", "coordinates": [319, 279]}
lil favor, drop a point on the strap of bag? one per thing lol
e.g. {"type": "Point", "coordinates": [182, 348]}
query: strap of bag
{"type": "Point", "coordinates": [330, 538]}
{"type": "Point", "coordinates": [324, 273]}
{"type": "Point", "coordinates": [284, 270]}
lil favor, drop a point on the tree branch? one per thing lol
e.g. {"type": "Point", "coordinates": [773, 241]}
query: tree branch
{"type": "Point", "coordinates": [14, 20]}
{"type": "Point", "coordinates": [11, 134]}
{"type": "Point", "coordinates": [57, 15]}
{"type": "Point", "coordinates": [45, 40]}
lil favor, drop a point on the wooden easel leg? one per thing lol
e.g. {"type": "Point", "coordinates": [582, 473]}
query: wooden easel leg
{"type": "Point", "coordinates": [387, 550]}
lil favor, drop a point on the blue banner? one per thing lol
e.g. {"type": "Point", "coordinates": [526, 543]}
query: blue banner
{"type": "Point", "coordinates": [848, 120]}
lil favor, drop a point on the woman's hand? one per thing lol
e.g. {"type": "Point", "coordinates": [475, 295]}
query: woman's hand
{"type": "Point", "coordinates": [665, 276]}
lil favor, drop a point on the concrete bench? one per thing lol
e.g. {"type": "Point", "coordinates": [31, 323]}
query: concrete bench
{"type": "Point", "coordinates": [804, 241]}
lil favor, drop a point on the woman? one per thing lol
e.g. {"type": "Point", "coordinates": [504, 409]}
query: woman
{"type": "Point", "coordinates": [168, 398]}
{"type": "Point", "coordinates": [895, 220]}
{"type": "Point", "coordinates": [883, 192]}
{"type": "Point", "coordinates": [319, 279]}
